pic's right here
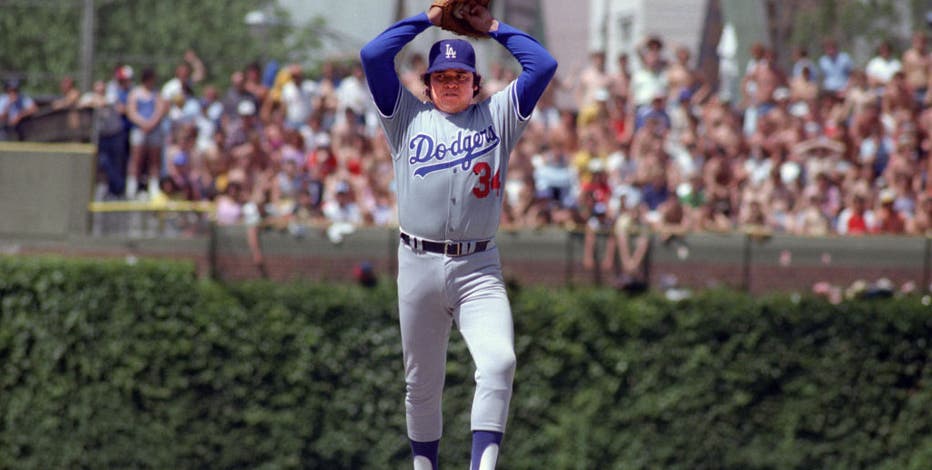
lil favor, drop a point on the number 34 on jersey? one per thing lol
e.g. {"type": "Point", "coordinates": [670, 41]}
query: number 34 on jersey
{"type": "Point", "coordinates": [488, 181]}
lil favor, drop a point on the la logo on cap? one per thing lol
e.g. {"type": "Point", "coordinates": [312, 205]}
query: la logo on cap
{"type": "Point", "coordinates": [448, 54]}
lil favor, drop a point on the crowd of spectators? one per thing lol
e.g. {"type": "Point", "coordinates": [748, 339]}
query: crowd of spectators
{"type": "Point", "coordinates": [822, 147]}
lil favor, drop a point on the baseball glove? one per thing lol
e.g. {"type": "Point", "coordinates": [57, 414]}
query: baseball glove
{"type": "Point", "coordinates": [452, 18]}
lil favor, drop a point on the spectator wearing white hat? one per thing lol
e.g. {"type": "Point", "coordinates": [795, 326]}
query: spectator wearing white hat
{"type": "Point", "coordinates": [239, 128]}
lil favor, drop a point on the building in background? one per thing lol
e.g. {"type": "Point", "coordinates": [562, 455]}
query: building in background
{"type": "Point", "coordinates": [619, 26]}
{"type": "Point", "coordinates": [346, 29]}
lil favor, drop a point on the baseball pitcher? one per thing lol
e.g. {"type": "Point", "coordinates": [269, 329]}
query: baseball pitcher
{"type": "Point", "coordinates": [450, 161]}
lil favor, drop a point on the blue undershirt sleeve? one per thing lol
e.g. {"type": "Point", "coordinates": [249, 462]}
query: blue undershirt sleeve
{"type": "Point", "coordinates": [378, 60]}
{"type": "Point", "coordinates": [538, 66]}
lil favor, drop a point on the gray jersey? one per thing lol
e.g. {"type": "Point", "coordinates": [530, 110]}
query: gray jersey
{"type": "Point", "coordinates": [450, 170]}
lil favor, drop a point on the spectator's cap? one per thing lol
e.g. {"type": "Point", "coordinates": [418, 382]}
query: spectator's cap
{"type": "Point", "coordinates": [601, 94]}
{"type": "Point", "coordinates": [599, 208]}
{"type": "Point", "coordinates": [789, 172]}
{"type": "Point", "coordinates": [685, 94]}
{"type": "Point", "coordinates": [799, 109]}
{"type": "Point", "coordinates": [684, 190]}
{"type": "Point", "coordinates": [12, 84]}
{"type": "Point", "coordinates": [246, 108]}
{"type": "Point", "coordinates": [173, 92]}
{"type": "Point", "coordinates": [180, 159]}
{"type": "Point", "coordinates": [342, 188]}
{"type": "Point", "coordinates": [322, 140]}
{"type": "Point", "coordinates": [447, 54]}
{"type": "Point", "coordinates": [124, 72]}
{"type": "Point", "coordinates": [781, 93]}
{"type": "Point", "coordinates": [596, 165]}
{"type": "Point", "coordinates": [659, 94]}
{"type": "Point", "coordinates": [887, 196]}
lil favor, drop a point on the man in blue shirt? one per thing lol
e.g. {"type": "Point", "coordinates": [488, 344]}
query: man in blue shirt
{"type": "Point", "coordinates": [14, 107]}
{"type": "Point", "coordinates": [836, 67]}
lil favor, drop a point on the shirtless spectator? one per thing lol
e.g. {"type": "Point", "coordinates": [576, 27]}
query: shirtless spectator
{"type": "Point", "coordinates": [720, 184]}
{"type": "Point", "coordinates": [897, 96]}
{"type": "Point", "coordinates": [858, 94]}
{"type": "Point", "coordinates": [680, 74]}
{"type": "Point", "coordinates": [68, 94]}
{"type": "Point", "coordinates": [808, 219]}
{"type": "Point", "coordinates": [752, 216]}
{"type": "Point", "coordinates": [767, 78]}
{"type": "Point", "coordinates": [921, 223]}
{"type": "Point", "coordinates": [592, 79]}
{"type": "Point", "coordinates": [889, 220]}
{"type": "Point", "coordinates": [803, 87]}
{"type": "Point", "coordinates": [916, 65]}
{"type": "Point", "coordinates": [620, 79]}
{"type": "Point", "coordinates": [673, 220]}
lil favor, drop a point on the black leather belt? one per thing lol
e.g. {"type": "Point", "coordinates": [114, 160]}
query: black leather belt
{"type": "Point", "coordinates": [446, 248]}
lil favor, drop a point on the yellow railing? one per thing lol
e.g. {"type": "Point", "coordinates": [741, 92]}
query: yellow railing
{"type": "Point", "coordinates": [151, 206]}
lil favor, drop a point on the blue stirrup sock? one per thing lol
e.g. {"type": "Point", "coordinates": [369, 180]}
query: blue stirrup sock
{"type": "Point", "coordinates": [481, 440]}
{"type": "Point", "coordinates": [428, 451]}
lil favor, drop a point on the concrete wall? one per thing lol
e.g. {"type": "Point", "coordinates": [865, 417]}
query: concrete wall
{"type": "Point", "coordinates": [44, 189]}
{"type": "Point", "coordinates": [551, 257]}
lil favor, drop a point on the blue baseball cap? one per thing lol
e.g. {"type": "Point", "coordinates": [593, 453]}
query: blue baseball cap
{"type": "Point", "coordinates": [448, 54]}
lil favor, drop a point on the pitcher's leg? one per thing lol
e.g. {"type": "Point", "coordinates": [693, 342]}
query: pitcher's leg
{"type": "Point", "coordinates": [486, 324]}
{"type": "Point", "coordinates": [425, 331]}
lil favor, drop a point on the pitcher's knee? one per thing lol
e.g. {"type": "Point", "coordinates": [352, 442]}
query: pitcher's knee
{"type": "Point", "coordinates": [500, 371]}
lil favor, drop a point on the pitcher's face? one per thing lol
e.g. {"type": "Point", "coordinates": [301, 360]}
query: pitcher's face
{"type": "Point", "coordinates": [452, 90]}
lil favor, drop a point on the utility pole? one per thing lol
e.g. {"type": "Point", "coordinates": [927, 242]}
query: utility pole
{"type": "Point", "coordinates": [87, 46]}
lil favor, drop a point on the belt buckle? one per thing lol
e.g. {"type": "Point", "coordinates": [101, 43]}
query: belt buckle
{"type": "Point", "coordinates": [448, 252]}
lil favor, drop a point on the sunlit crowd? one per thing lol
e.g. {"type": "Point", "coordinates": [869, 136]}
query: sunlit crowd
{"type": "Point", "coordinates": [824, 146]}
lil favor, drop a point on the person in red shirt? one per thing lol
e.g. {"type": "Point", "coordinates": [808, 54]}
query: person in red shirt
{"type": "Point", "coordinates": [855, 219]}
